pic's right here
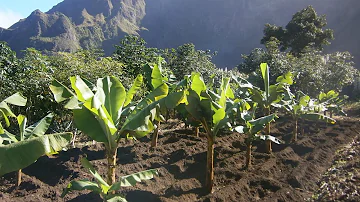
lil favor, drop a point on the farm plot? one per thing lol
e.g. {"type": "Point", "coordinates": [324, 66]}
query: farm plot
{"type": "Point", "coordinates": [290, 173]}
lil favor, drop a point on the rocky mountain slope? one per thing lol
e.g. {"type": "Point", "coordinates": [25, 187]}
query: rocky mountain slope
{"type": "Point", "coordinates": [231, 27]}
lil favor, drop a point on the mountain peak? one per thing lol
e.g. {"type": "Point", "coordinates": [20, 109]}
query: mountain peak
{"type": "Point", "coordinates": [36, 12]}
{"type": "Point", "coordinates": [73, 8]}
{"type": "Point", "coordinates": [74, 24]}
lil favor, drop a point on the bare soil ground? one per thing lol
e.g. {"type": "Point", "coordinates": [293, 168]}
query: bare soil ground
{"type": "Point", "coordinates": [294, 172]}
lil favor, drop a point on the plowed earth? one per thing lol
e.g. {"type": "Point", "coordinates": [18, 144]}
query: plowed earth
{"type": "Point", "coordinates": [292, 173]}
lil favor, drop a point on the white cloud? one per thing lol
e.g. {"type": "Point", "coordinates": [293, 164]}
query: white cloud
{"type": "Point", "coordinates": [8, 18]}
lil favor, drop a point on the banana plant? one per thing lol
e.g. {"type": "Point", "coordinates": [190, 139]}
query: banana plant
{"type": "Point", "coordinates": [209, 109]}
{"type": "Point", "coordinates": [154, 78]}
{"type": "Point", "coordinates": [101, 187]}
{"type": "Point", "coordinates": [332, 102]}
{"type": "Point", "coordinates": [299, 109]}
{"type": "Point", "coordinates": [251, 127]}
{"type": "Point", "coordinates": [105, 111]}
{"type": "Point", "coordinates": [271, 96]}
{"type": "Point", "coordinates": [16, 99]}
{"type": "Point", "coordinates": [24, 149]}
{"type": "Point", "coordinates": [243, 88]}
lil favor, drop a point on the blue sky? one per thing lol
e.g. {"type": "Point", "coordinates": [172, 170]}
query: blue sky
{"type": "Point", "coordinates": [11, 11]}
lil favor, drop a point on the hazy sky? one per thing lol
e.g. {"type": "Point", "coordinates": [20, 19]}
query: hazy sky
{"type": "Point", "coordinates": [11, 11]}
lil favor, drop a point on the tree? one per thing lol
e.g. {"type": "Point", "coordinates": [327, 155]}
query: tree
{"type": "Point", "coordinates": [279, 61]}
{"type": "Point", "coordinates": [134, 54]}
{"type": "Point", "coordinates": [7, 56]}
{"type": "Point", "coordinates": [8, 65]}
{"type": "Point", "coordinates": [315, 72]}
{"type": "Point", "coordinates": [304, 31]}
{"type": "Point", "coordinates": [186, 59]}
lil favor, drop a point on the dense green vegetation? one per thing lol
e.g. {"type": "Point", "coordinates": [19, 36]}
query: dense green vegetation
{"type": "Point", "coordinates": [305, 36]}
{"type": "Point", "coordinates": [146, 83]}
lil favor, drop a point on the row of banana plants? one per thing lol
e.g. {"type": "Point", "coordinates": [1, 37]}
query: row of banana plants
{"type": "Point", "coordinates": [106, 112]}
{"type": "Point", "coordinates": [217, 108]}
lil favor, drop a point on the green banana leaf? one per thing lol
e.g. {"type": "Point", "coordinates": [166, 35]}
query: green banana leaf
{"type": "Point", "coordinates": [155, 95]}
{"type": "Point", "coordinates": [80, 185]}
{"type": "Point", "coordinates": [82, 90]}
{"type": "Point", "coordinates": [111, 94]}
{"type": "Point", "coordinates": [242, 83]}
{"type": "Point", "coordinates": [197, 83]}
{"type": "Point", "coordinates": [197, 108]}
{"type": "Point", "coordinates": [36, 130]}
{"type": "Point", "coordinates": [131, 180]}
{"type": "Point", "coordinates": [254, 126]}
{"type": "Point", "coordinates": [22, 124]}
{"type": "Point", "coordinates": [156, 76]}
{"type": "Point", "coordinates": [262, 120]}
{"type": "Point", "coordinates": [266, 78]}
{"type": "Point", "coordinates": [89, 124]}
{"type": "Point", "coordinates": [140, 122]}
{"type": "Point", "coordinates": [16, 99]}
{"type": "Point", "coordinates": [317, 117]}
{"type": "Point", "coordinates": [8, 137]}
{"type": "Point", "coordinates": [19, 155]}
{"type": "Point", "coordinates": [60, 92]}
{"type": "Point", "coordinates": [5, 111]}
{"type": "Point", "coordinates": [134, 88]}
{"type": "Point", "coordinates": [101, 187]}
{"type": "Point", "coordinates": [273, 94]}
{"type": "Point", "coordinates": [286, 78]}
{"type": "Point", "coordinates": [39, 128]}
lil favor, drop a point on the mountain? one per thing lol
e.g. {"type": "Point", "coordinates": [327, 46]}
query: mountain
{"type": "Point", "coordinates": [231, 27]}
{"type": "Point", "coordinates": [74, 24]}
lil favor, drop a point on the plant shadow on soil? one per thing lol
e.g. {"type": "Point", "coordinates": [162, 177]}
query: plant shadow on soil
{"type": "Point", "coordinates": [289, 174]}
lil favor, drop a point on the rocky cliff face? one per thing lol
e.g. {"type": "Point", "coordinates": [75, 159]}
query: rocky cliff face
{"type": "Point", "coordinates": [74, 24]}
{"type": "Point", "coordinates": [231, 27]}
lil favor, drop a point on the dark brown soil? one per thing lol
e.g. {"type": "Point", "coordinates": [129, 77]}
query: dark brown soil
{"type": "Point", "coordinates": [291, 173]}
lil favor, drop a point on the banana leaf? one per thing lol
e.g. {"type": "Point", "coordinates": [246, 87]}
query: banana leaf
{"type": "Point", "coordinates": [19, 155]}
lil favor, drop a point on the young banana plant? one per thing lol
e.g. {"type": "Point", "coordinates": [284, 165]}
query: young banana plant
{"type": "Point", "coordinates": [332, 102]}
{"type": "Point", "coordinates": [24, 149]}
{"type": "Point", "coordinates": [251, 127]}
{"type": "Point", "coordinates": [271, 96]}
{"type": "Point", "coordinates": [209, 109]}
{"type": "Point", "coordinates": [105, 111]}
{"type": "Point", "coordinates": [154, 78]}
{"type": "Point", "coordinates": [299, 109]}
{"type": "Point", "coordinates": [101, 187]}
